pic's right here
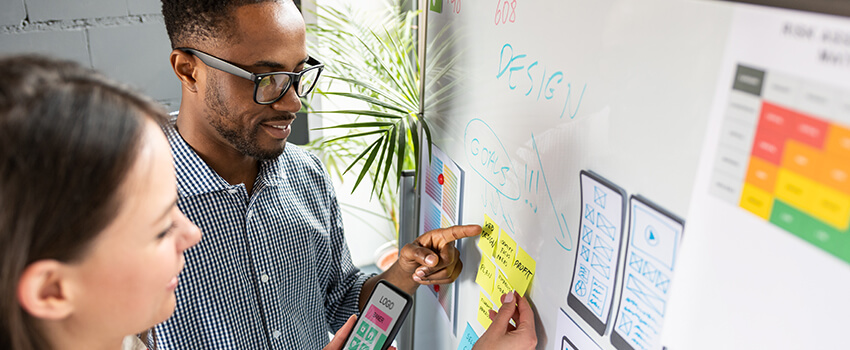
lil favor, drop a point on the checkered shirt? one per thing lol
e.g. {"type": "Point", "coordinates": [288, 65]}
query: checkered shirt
{"type": "Point", "coordinates": [273, 270]}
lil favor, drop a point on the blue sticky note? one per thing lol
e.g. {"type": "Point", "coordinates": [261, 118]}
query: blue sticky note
{"type": "Point", "coordinates": [468, 339]}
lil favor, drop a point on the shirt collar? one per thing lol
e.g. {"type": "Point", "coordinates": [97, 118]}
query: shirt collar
{"type": "Point", "coordinates": [195, 177]}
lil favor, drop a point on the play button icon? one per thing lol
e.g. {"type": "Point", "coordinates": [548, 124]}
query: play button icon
{"type": "Point", "coordinates": [651, 236]}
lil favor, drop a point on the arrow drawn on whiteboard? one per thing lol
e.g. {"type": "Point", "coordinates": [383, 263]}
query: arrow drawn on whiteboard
{"type": "Point", "coordinates": [565, 239]}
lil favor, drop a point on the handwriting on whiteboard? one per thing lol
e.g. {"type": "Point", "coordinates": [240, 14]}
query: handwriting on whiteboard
{"type": "Point", "coordinates": [539, 81]}
{"type": "Point", "coordinates": [486, 154]}
{"type": "Point", "coordinates": [505, 11]}
{"type": "Point", "coordinates": [488, 157]}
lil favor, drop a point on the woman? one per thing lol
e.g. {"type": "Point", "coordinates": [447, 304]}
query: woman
{"type": "Point", "coordinates": [91, 239]}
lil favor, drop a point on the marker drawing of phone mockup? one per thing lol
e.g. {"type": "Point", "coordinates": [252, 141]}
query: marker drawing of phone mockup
{"type": "Point", "coordinates": [381, 318]}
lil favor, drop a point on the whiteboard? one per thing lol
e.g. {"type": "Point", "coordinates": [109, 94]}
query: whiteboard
{"type": "Point", "coordinates": [626, 90]}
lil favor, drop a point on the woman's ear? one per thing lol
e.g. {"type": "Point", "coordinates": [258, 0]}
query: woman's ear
{"type": "Point", "coordinates": [186, 68]}
{"type": "Point", "coordinates": [44, 290]}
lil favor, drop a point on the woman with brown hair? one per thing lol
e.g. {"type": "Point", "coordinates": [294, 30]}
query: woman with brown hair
{"type": "Point", "coordinates": [91, 240]}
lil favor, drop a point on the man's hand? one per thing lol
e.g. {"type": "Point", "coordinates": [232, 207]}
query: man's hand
{"type": "Point", "coordinates": [431, 259]}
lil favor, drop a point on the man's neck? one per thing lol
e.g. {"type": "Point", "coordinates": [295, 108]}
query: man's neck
{"type": "Point", "coordinates": [233, 166]}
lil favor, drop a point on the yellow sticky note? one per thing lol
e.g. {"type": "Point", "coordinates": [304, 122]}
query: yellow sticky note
{"type": "Point", "coordinates": [484, 307]}
{"type": "Point", "coordinates": [502, 287]}
{"type": "Point", "coordinates": [505, 251]}
{"type": "Point", "coordinates": [486, 274]}
{"type": "Point", "coordinates": [521, 271]}
{"type": "Point", "coordinates": [489, 236]}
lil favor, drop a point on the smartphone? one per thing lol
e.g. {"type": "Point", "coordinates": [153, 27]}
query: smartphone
{"type": "Point", "coordinates": [381, 318]}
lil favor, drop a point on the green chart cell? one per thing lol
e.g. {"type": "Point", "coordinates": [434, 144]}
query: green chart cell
{"type": "Point", "coordinates": [811, 230]}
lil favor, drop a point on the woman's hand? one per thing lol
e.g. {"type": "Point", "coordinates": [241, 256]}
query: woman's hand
{"type": "Point", "coordinates": [342, 334]}
{"type": "Point", "coordinates": [501, 334]}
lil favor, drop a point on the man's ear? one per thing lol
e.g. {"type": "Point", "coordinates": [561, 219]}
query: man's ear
{"type": "Point", "coordinates": [186, 68]}
{"type": "Point", "coordinates": [44, 290]}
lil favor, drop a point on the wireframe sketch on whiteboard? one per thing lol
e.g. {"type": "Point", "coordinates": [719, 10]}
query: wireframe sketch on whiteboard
{"type": "Point", "coordinates": [440, 207]}
{"type": "Point", "coordinates": [594, 274]}
{"type": "Point", "coordinates": [653, 242]}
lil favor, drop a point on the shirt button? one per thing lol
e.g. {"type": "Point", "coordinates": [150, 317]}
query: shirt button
{"type": "Point", "coordinates": [264, 278]}
{"type": "Point", "coordinates": [232, 190]}
{"type": "Point", "coordinates": [276, 334]}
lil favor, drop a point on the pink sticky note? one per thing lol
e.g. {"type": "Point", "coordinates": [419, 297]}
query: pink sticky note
{"type": "Point", "coordinates": [378, 317]}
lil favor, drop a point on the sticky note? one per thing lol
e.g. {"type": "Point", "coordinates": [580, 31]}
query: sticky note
{"type": "Point", "coordinates": [468, 339]}
{"type": "Point", "coordinates": [505, 251]}
{"type": "Point", "coordinates": [521, 271]}
{"type": "Point", "coordinates": [502, 287]}
{"type": "Point", "coordinates": [486, 275]}
{"type": "Point", "coordinates": [489, 236]}
{"type": "Point", "coordinates": [484, 307]}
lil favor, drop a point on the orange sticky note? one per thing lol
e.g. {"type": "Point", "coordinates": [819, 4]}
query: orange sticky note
{"type": "Point", "coordinates": [486, 275]}
{"type": "Point", "coordinates": [484, 307]}
{"type": "Point", "coordinates": [489, 236]}
{"type": "Point", "coordinates": [505, 251]}
{"type": "Point", "coordinates": [521, 271]}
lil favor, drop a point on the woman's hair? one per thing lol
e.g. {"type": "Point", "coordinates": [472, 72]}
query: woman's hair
{"type": "Point", "coordinates": [68, 138]}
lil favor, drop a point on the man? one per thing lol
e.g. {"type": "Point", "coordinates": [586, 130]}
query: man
{"type": "Point", "coordinates": [274, 270]}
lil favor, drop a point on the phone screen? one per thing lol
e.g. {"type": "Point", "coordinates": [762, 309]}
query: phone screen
{"type": "Point", "coordinates": [379, 322]}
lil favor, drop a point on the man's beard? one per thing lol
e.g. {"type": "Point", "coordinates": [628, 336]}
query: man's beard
{"type": "Point", "coordinates": [244, 141]}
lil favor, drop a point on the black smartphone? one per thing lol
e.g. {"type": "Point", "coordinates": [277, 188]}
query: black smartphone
{"type": "Point", "coordinates": [381, 318]}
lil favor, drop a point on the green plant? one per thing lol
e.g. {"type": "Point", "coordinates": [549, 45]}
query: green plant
{"type": "Point", "coordinates": [372, 60]}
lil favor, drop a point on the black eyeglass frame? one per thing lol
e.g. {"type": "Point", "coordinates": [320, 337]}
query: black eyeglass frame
{"type": "Point", "coordinates": [228, 67]}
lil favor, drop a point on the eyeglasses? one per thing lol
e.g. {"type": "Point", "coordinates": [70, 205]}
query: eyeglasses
{"type": "Point", "coordinates": [268, 87]}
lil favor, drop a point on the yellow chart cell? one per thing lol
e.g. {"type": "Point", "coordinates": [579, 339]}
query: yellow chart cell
{"type": "Point", "coordinates": [832, 207]}
{"type": "Point", "coordinates": [796, 190]}
{"type": "Point", "coordinates": [756, 201]}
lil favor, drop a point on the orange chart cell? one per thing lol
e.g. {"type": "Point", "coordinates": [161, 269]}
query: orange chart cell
{"type": "Point", "coordinates": [762, 174]}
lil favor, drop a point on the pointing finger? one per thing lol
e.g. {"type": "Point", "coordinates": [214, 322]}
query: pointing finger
{"type": "Point", "coordinates": [440, 237]}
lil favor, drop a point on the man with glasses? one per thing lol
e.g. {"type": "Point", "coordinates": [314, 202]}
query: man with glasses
{"type": "Point", "coordinates": [274, 270]}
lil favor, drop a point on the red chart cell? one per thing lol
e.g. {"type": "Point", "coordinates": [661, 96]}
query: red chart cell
{"type": "Point", "coordinates": [785, 122]}
{"type": "Point", "coordinates": [769, 145]}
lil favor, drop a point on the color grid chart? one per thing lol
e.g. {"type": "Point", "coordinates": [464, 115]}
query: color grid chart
{"type": "Point", "coordinates": [784, 155]}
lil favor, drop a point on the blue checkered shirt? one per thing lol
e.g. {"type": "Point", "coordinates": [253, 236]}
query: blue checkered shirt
{"type": "Point", "coordinates": [273, 270]}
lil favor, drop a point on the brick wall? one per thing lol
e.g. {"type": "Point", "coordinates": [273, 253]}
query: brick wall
{"type": "Point", "coordinates": [125, 39]}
